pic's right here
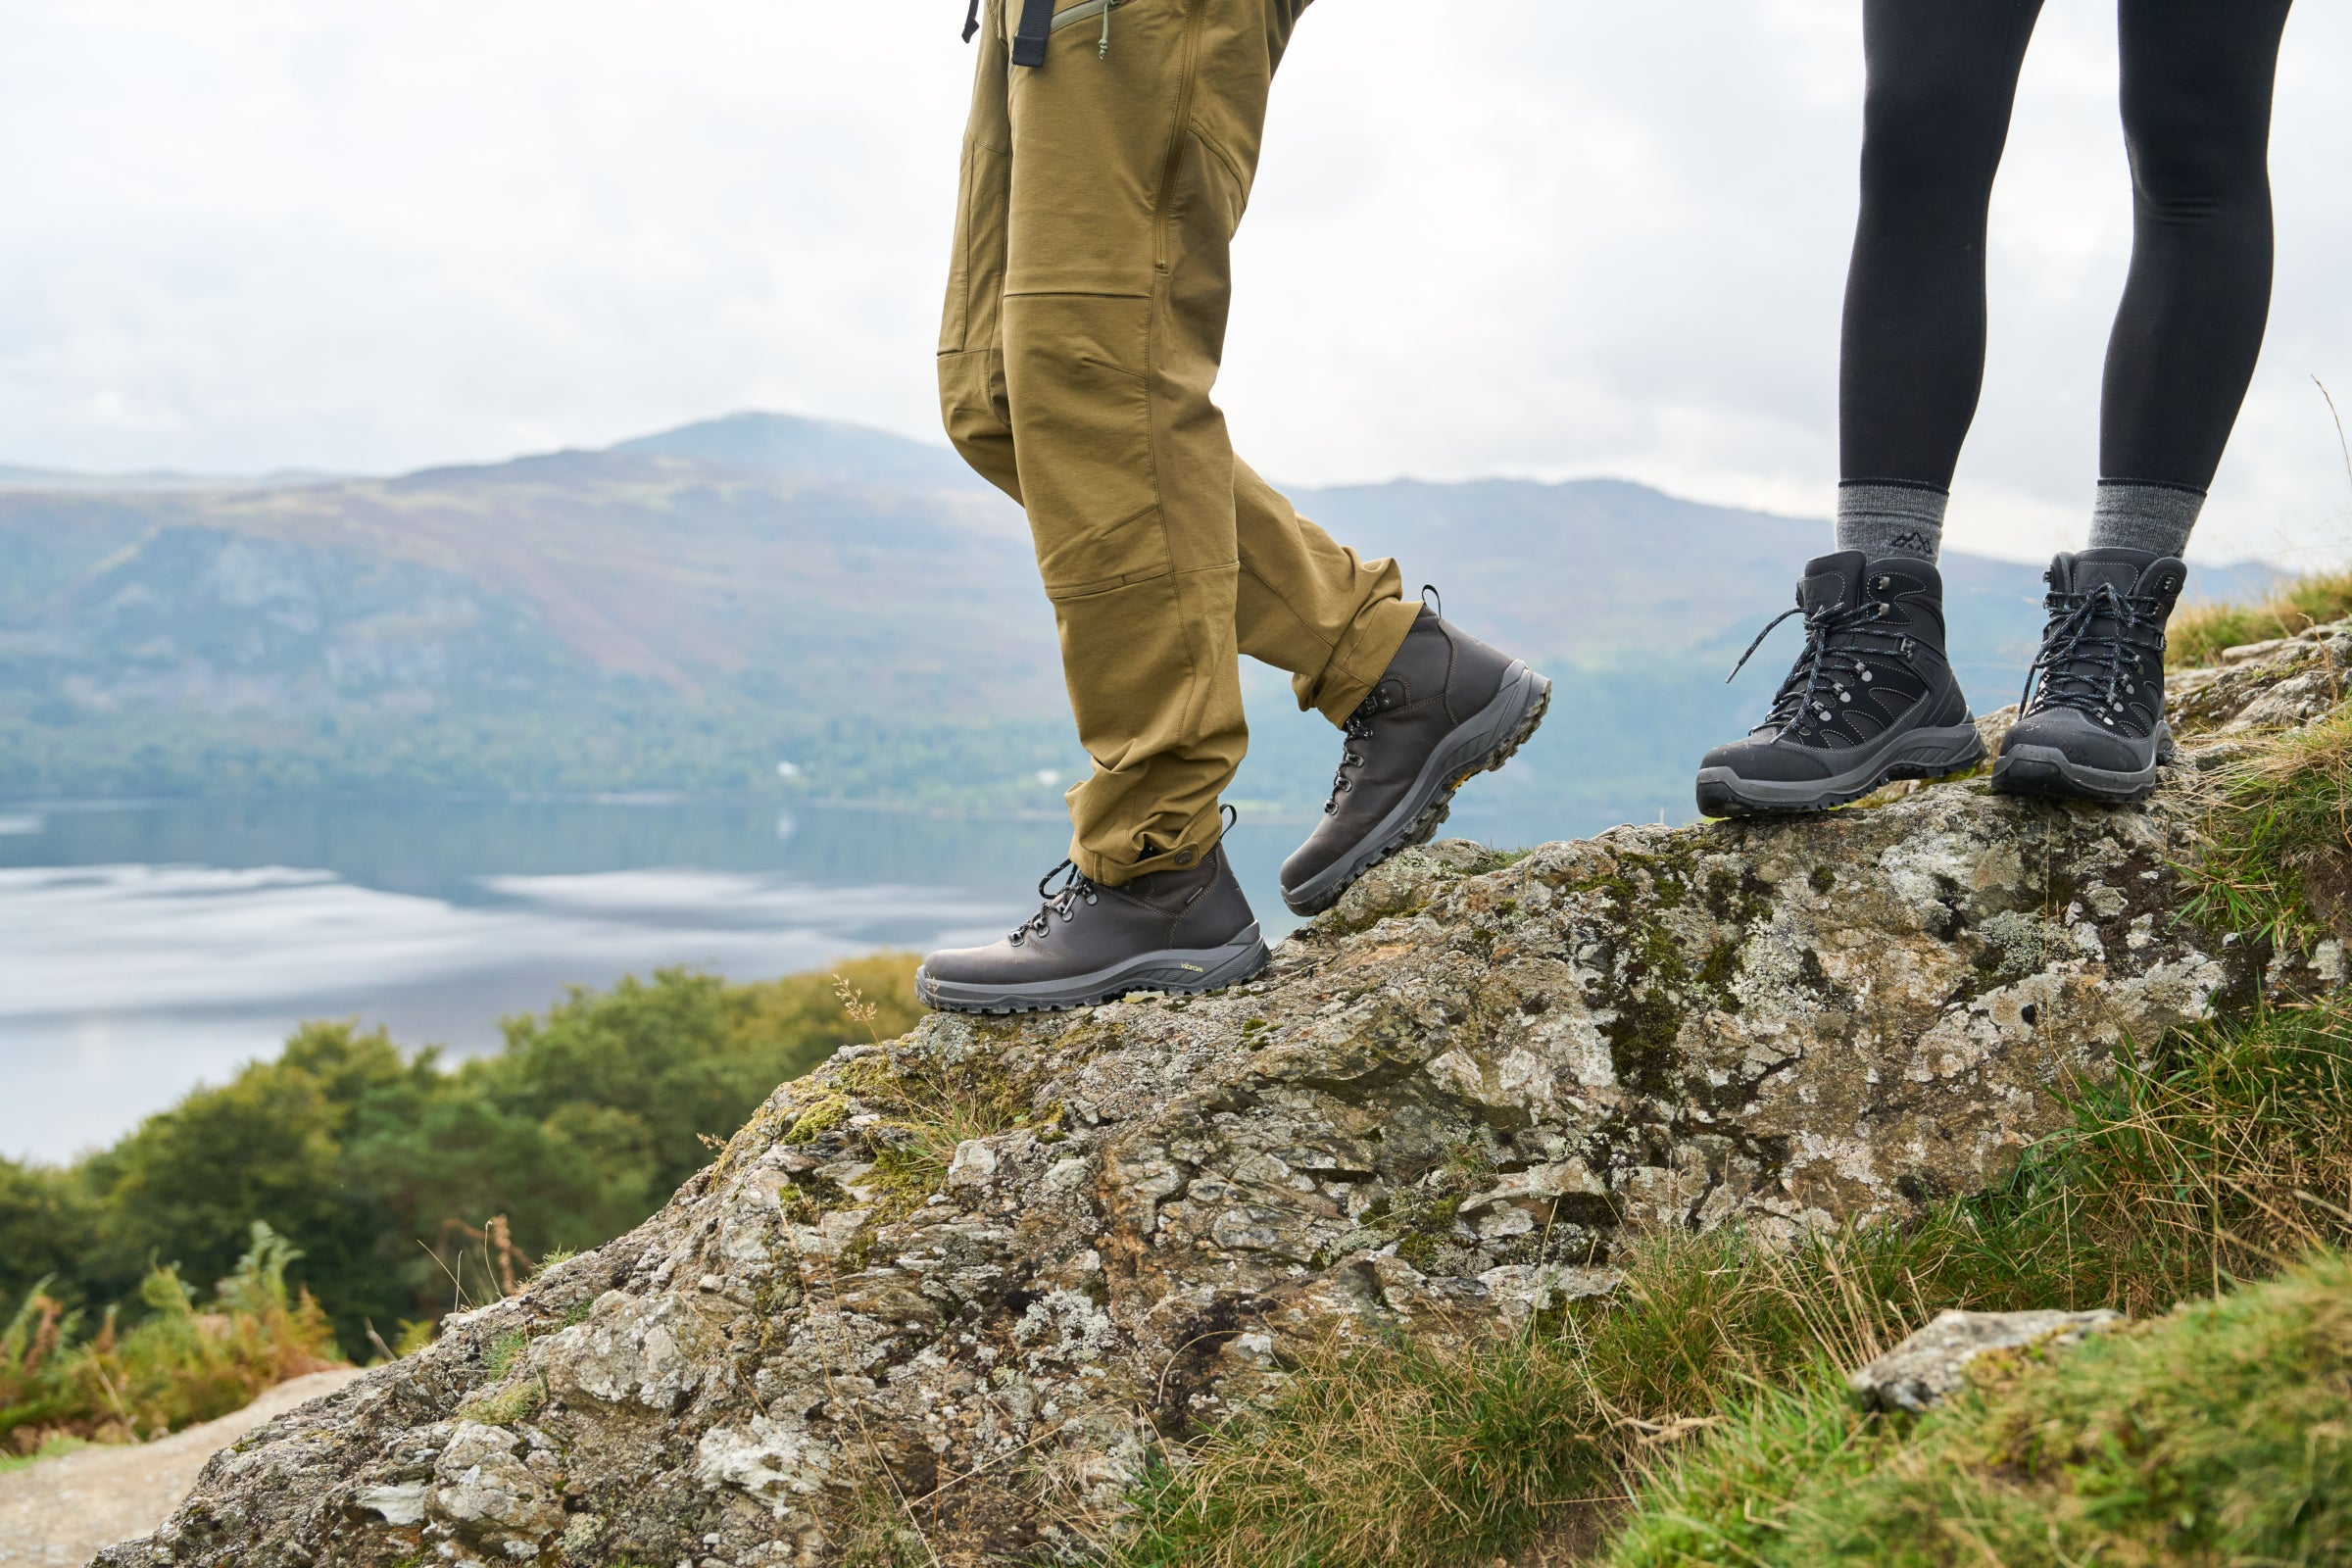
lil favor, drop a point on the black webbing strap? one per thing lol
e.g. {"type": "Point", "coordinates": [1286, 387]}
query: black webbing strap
{"type": "Point", "coordinates": [971, 20]}
{"type": "Point", "coordinates": [1029, 43]}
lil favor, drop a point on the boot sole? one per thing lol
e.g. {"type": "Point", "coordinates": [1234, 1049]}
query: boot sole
{"type": "Point", "coordinates": [1188, 970]}
{"type": "Point", "coordinates": [2046, 771]}
{"type": "Point", "coordinates": [1918, 754]}
{"type": "Point", "coordinates": [1480, 743]}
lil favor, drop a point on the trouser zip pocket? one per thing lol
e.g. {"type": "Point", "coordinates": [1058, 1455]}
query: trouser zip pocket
{"type": "Point", "coordinates": [1069, 16]}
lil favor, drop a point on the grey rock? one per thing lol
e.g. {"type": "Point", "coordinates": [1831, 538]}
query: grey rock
{"type": "Point", "coordinates": [1917, 1374]}
{"type": "Point", "coordinates": [1444, 1105]}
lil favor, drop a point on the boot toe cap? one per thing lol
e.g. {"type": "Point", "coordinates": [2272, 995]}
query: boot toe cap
{"type": "Point", "coordinates": [1310, 859]}
{"type": "Point", "coordinates": [1766, 759]}
{"type": "Point", "coordinates": [2084, 740]}
{"type": "Point", "coordinates": [992, 964]}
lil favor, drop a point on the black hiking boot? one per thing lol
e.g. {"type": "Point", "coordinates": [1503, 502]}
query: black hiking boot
{"type": "Point", "coordinates": [2094, 728]}
{"type": "Point", "coordinates": [1872, 697]}
{"type": "Point", "coordinates": [1187, 930]}
{"type": "Point", "coordinates": [1446, 707]}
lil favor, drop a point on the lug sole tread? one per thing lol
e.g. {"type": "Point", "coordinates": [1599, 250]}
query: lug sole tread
{"type": "Point", "coordinates": [1265, 957]}
{"type": "Point", "coordinates": [1717, 801]}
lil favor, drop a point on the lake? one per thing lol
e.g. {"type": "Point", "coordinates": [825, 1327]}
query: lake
{"type": "Point", "coordinates": [147, 947]}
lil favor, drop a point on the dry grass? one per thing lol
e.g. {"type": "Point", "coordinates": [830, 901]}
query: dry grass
{"type": "Point", "coordinates": [2199, 633]}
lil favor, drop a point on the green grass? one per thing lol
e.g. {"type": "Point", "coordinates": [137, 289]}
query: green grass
{"type": "Point", "coordinates": [2180, 1176]}
{"type": "Point", "coordinates": [2277, 860]}
{"type": "Point", "coordinates": [49, 1449]}
{"type": "Point", "coordinates": [2199, 633]}
{"type": "Point", "coordinates": [2221, 1434]}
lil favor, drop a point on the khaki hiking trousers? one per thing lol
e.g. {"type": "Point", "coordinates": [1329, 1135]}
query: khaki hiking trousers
{"type": "Point", "coordinates": [1085, 321]}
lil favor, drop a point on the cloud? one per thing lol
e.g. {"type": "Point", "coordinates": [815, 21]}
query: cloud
{"type": "Point", "coordinates": [1518, 237]}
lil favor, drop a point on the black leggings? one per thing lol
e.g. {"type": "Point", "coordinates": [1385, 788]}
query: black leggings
{"type": "Point", "coordinates": [2196, 99]}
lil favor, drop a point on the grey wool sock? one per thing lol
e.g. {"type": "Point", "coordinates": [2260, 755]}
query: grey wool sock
{"type": "Point", "coordinates": [2138, 516]}
{"type": "Point", "coordinates": [1879, 518]}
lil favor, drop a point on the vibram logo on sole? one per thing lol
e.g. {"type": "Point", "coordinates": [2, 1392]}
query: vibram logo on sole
{"type": "Point", "coordinates": [1196, 968]}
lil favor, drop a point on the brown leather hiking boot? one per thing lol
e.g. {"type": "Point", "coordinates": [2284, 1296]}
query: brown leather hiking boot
{"type": "Point", "coordinates": [1447, 706]}
{"type": "Point", "coordinates": [1177, 930]}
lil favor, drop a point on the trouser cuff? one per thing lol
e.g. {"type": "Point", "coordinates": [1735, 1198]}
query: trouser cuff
{"type": "Point", "coordinates": [1361, 658]}
{"type": "Point", "coordinates": [1111, 867]}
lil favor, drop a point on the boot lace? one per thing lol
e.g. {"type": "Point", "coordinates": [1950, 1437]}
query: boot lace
{"type": "Point", "coordinates": [2092, 651]}
{"type": "Point", "coordinates": [1839, 640]}
{"type": "Point", "coordinates": [1062, 901]}
{"type": "Point", "coordinates": [1357, 728]}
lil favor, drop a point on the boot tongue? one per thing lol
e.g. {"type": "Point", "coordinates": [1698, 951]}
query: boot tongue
{"type": "Point", "coordinates": [2112, 564]}
{"type": "Point", "coordinates": [1831, 580]}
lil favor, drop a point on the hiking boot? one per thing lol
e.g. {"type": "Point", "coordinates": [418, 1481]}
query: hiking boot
{"type": "Point", "coordinates": [1872, 697]}
{"type": "Point", "coordinates": [1176, 930]}
{"type": "Point", "coordinates": [1446, 707]}
{"type": "Point", "coordinates": [2094, 729]}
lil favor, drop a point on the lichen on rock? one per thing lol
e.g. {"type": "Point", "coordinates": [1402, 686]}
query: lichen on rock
{"type": "Point", "coordinates": [990, 1268]}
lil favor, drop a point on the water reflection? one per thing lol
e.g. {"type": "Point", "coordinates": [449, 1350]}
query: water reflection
{"type": "Point", "coordinates": [145, 947]}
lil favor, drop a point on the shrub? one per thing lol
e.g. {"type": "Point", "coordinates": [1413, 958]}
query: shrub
{"type": "Point", "coordinates": [386, 1170]}
{"type": "Point", "coordinates": [177, 1368]}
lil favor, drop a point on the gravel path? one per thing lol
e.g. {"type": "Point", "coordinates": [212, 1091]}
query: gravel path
{"type": "Point", "coordinates": [59, 1512]}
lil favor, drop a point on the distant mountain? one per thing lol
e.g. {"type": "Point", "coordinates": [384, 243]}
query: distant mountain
{"type": "Point", "coordinates": [688, 609]}
{"type": "Point", "coordinates": [812, 449]}
{"type": "Point", "coordinates": [15, 477]}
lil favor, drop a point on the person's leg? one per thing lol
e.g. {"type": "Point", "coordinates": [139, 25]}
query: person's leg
{"type": "Point", "coordinates": [1128, 170]}
{"type": "Point", "coordinates": [1309, 605]}
{"type": "Point", "coordinates": [2196, 101]}
{"type": "Point", "coordinates": [1936, 118]}
{"type": "Point", "coordinates": [1115, 177]}
{"type": "Point", "coordinates": [1872, 696]}
{"type": "Point", "coordinates": [1304, 603]}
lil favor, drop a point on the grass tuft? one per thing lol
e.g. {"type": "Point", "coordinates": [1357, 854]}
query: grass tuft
{"type": "Point", "coordinates": [926, 1111]}
{"type": "Point", "coordinates": [2278, 845]}
{"type": "Point", "coordinates": [2220, 1433]}
{"type": "Point", "coordinates": [2199, 633]}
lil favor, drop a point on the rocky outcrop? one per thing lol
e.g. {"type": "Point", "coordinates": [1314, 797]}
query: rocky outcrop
{"type": "Point", "coordinates": [974, 1277]}
{"type": "Point", "coordinates": [1919, 1373]}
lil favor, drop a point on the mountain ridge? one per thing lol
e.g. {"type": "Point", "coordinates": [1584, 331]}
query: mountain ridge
{"type": "Point", "coordinates": [684, 609]}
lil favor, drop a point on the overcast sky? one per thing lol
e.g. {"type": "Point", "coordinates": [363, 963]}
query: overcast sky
{"type": "Point", "coordinates": [1542, 237]}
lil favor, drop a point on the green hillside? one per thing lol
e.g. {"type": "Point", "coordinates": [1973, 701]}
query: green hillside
{"type": "Point", "coordinates": [688, 609]}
